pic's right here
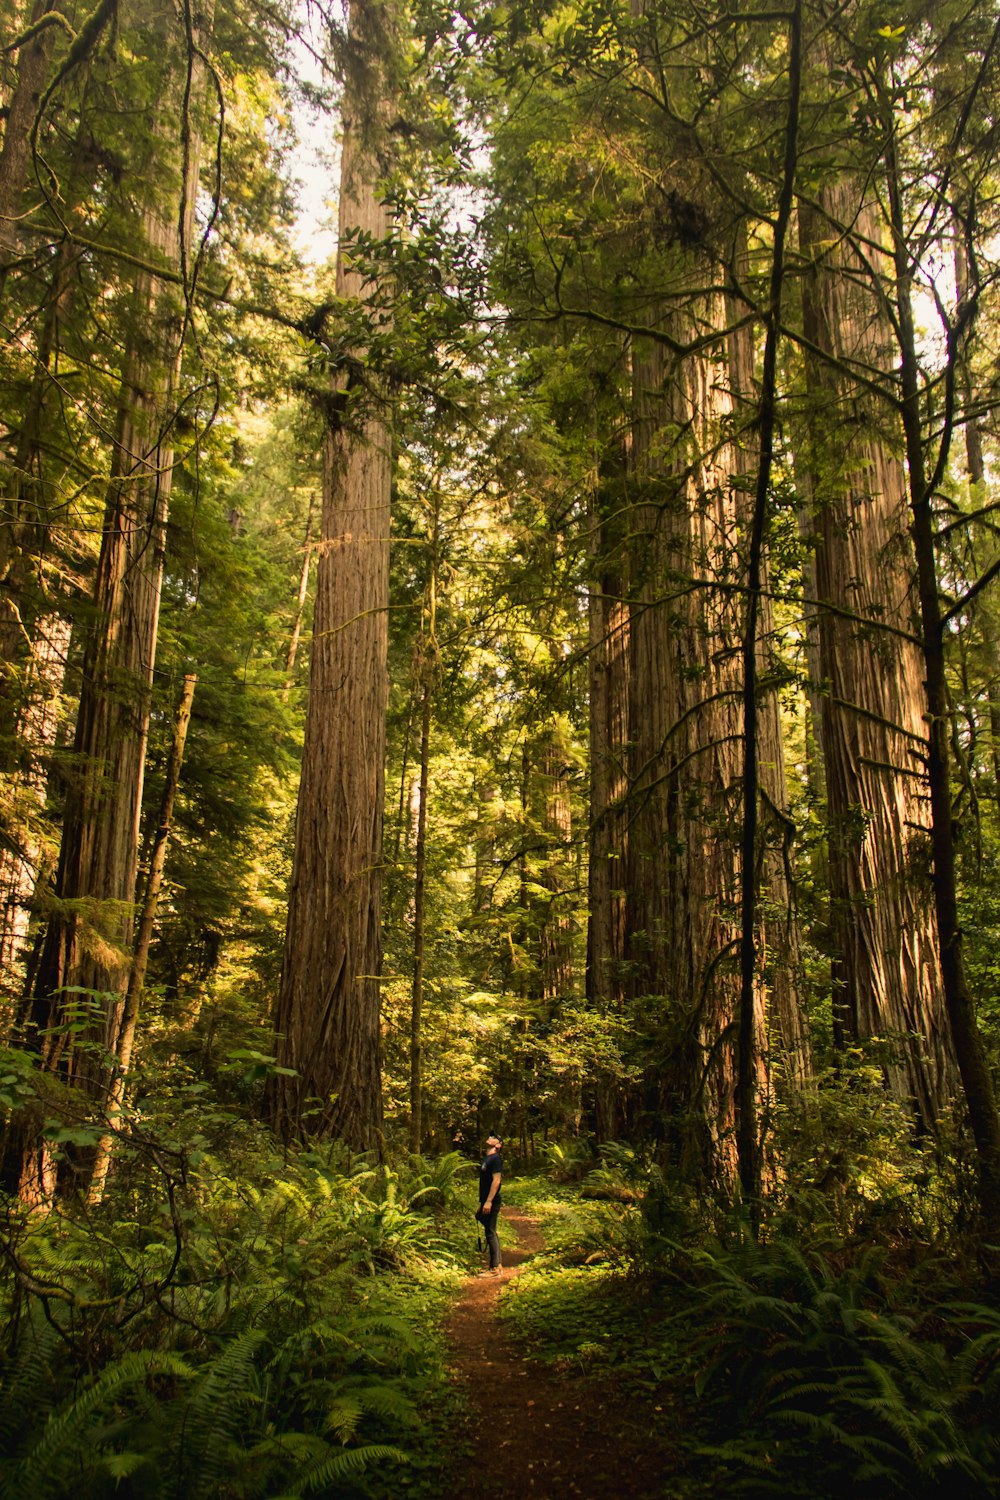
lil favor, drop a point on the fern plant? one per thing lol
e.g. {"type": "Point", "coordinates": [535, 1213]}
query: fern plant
{"type": "Point", "coordinates": [67, 1451]}
{"type": "Point", "coordinates": [826, 1386]}
{"type": "Point", "coordinates": [436, 1183]}
{"type": "Point", "coordinates": [223, 1344]}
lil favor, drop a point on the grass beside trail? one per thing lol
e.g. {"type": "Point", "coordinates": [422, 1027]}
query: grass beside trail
{"type": "Point", "coordinates": [575, 1309]}
{"type": "Point", "coordinates": [801, 1367]}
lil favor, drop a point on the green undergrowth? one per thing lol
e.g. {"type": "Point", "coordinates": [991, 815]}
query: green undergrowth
{"type": "Point", "coordinates": [231, 1323]}
{"type": "Point", "coordinates": [573, 1308]}
{"type": "Point", "coordinates": [804, 1367]}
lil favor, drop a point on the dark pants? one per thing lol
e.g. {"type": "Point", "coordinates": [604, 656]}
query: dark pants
{"type": "Point", "coordinates": [489, 1223]}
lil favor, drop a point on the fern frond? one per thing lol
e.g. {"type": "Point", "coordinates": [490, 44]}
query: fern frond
{"type": "Point", "coordinates": [344, 1417]}
{"type": "Point", "coordinates": [122, 1465]}
{"type": "Point", "coordinates": [388, 1402]}
{"type": "Point", "coordinates": [27, 1381]}
{"type": "Point", "coordinates": [63, 1436]}
{"type": "Point", "coordinates": [350, 1463]}
{"type": "Point", "coordinates": [216, 1412]}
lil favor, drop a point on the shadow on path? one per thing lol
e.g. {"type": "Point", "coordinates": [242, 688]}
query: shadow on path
{"type": "Point", "coordinates": [533, 1430]}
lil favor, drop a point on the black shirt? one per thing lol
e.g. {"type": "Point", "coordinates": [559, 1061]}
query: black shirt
{"type": "Point", "coordinates": [492, 1164]}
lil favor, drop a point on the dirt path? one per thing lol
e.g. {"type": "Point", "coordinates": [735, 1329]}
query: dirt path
{"type": "Point", "coordinates": [532, 1430]}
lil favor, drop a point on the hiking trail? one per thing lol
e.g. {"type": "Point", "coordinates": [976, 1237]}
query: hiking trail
{"type": "Point", "coordinates": [532, 1429]}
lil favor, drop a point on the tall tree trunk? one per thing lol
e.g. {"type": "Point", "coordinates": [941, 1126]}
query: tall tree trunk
{"type": "Point", "coordinates": [428, 670]}
{"type": "Point", "coordinates": [609, 647]}
{"type": "Point", "coordinates": [144, 939]}
{"type": "Point", "coordinates": [89, 929]}
{"type": "Point", "coordinates": [24, 536]}
{"type": "Point", "coordinates": [26, 861]}
{"type": "Point", "coordinates": [420, 911]}
{"type": "Point", "coordinates": [973, 1064]}
{"type": "Point", "coordinates": [886, 971]}
{"type": "Point", "coordinates": [30, 93]}
{"type": "Point", "coordinates": [33, 62]}
{"type": "Point", "coordinates": [684, 884]}
{"type": "Point", "coordinates": [35, 633]}
{"type": "Point", "coordinates": [327, 1017]}
{"type": "Point", "coordinates": [685, 731]}
{"type": "Point", "coordinates": [300, 604]}
{"type": "Point", "coordinates": [31, 506]}
{"type": "Point", "coordinates": [785, 1043]}
{"type": "Point", "coordinates": [749, 1045]}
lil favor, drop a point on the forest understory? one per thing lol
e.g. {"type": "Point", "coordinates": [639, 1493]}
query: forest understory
{"type": "Point", "coordinates": [546, 1428]}
{"type": "Point", "coordinates": [322, 1328]}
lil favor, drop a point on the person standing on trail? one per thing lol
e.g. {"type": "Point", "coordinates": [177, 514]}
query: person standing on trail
{"type": "Point", "coordinates": [489, 1200]}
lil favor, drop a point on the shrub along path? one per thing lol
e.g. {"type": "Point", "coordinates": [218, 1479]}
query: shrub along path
{"type": "Point", "coordinates": [533, 1430]}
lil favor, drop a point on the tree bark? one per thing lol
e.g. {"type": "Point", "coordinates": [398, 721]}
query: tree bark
{"type": "Point", "coordinates": [25, 860]}
{"type": "Point", "coordinates": [886, 971]}
{"type": "Point", "coordinates": [748, 1063]}
{"type": "Point", "coordinates": [973, 1065]}
{"type": "Point", "coordinates": [608, 622]}
{"type": "Point", "coordinates": [35, 634]}
{"type": "Point", "coordinates": [88, 934]}
{"type": "Point", "coordinates": [683, 862]}
{"type": "Point", "coordinates": [33, 63]}
{"type": "Point", "coordinates": [420, 912]}
{"type": "Point", "coordinates": [30, 558]}
{"type": "Point", "coordinates": [300, 604]}
{"type": "Point", "coordinates": [28, 98]}
{"type": "Point", "coordinates": [327, 1017]}
{"type": "Point", "coordinates": [144, 939]}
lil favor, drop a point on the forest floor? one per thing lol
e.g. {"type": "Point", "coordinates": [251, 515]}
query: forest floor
{"type": "Point", "coordinates": [536, 1430]}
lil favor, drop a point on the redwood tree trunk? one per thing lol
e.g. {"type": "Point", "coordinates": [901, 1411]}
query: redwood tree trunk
{"type": "Point", "coordinates": [609, 692]}
{"type": "Point", "coordinates": [33, 67]}
{"type": "Point", "coordinates": [972, 1061]}
{"type": "Point", "coordinates": [886, 969]}
{"type": "Point", "coordinates": [749, 1045]}
{"type": "Point", "coordinates": [88, 936]}
{"type": "Point", "coordinates": [327, 1017]}
{"type": "Point", "coordinates": [144, 938]}
{"type": "Point", "coordinates": [683, 887]}
{"type": "Point", "coordinates": [25, 864]}
{"type": "Point", "coordinates": [33, 62]}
